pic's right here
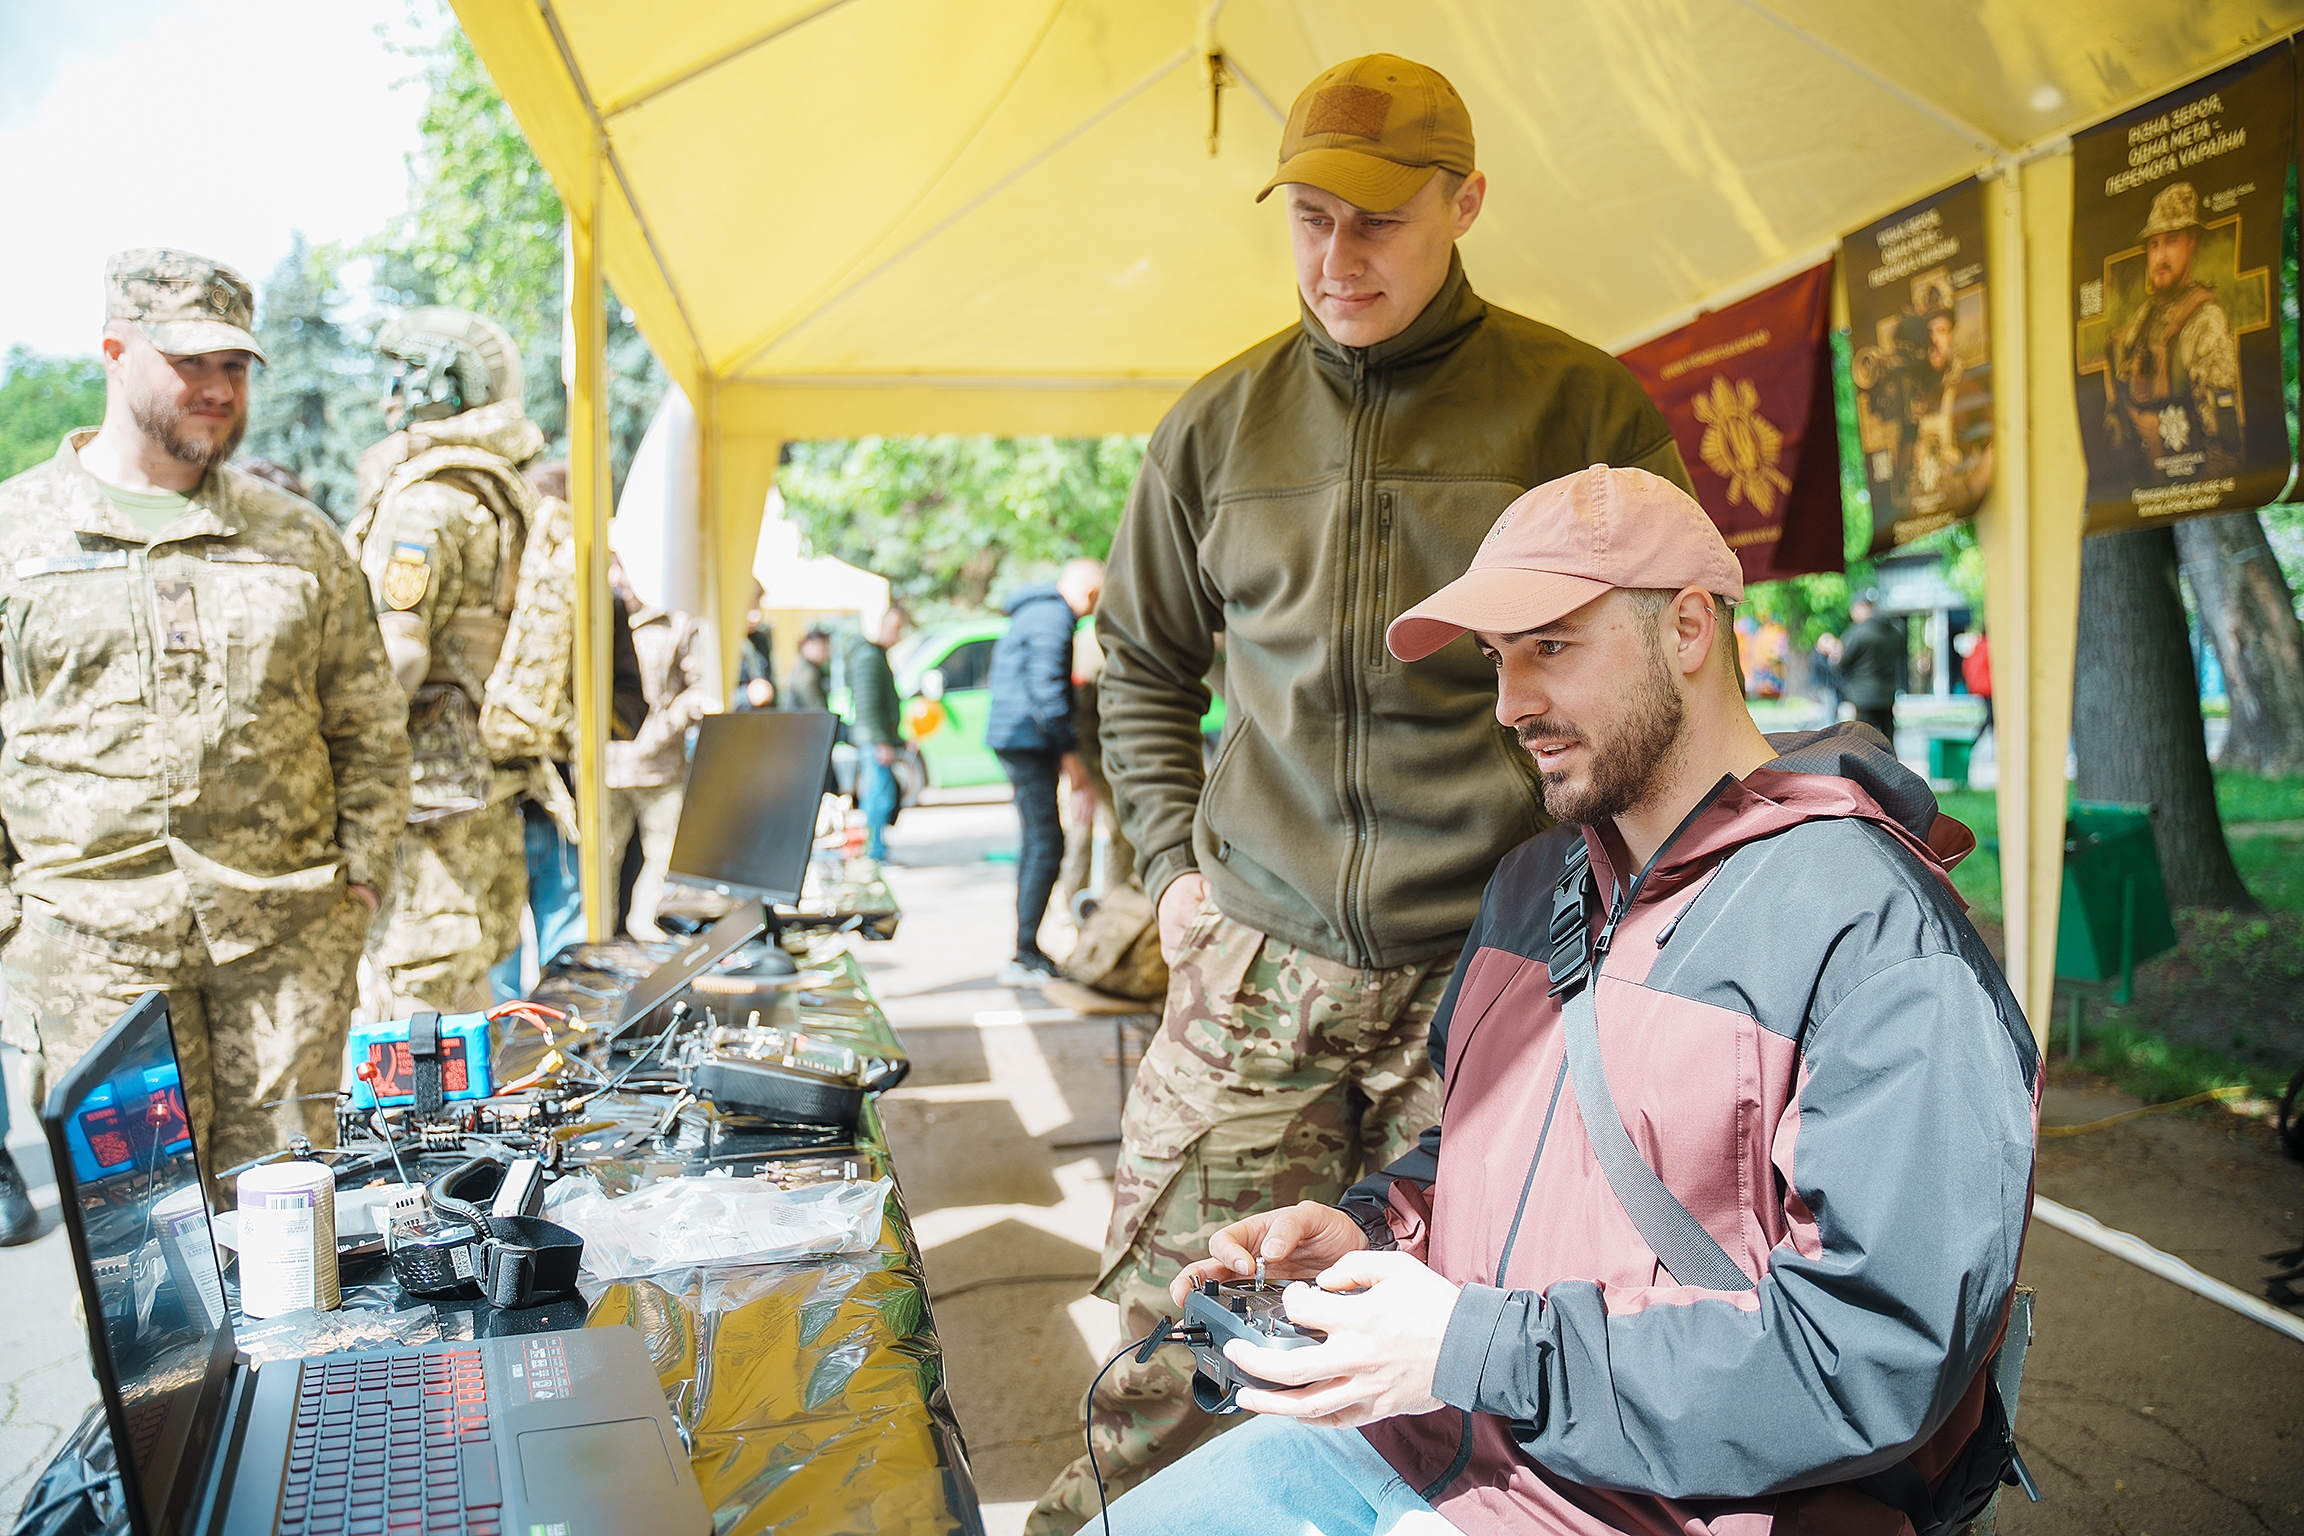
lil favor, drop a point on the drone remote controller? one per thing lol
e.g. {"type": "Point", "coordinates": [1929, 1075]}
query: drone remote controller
{"type": "Point", "coordinates": [1224, 1310]}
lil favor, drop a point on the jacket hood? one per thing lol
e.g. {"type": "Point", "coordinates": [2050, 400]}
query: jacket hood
{"type": "Point", "coordinates": [1842, 772]}
{"type": "Point", "coordinates": [1023, 597]}
{"type": "Point", "coordinates": [1451, 316]}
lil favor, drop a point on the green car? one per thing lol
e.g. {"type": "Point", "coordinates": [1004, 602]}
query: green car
{"type": "Point", "coordinates": [941, 672]}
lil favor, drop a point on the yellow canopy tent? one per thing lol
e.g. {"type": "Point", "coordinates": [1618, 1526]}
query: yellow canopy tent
{"type": "Point", "coordinates": [840, 217]}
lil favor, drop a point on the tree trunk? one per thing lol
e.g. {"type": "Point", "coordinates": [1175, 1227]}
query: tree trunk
{"type": "Point", "coordinates": [2250, 616]}
{"type": "Point", "coordinates": [2136, 712]}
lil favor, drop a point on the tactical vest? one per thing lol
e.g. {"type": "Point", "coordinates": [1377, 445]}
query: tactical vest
{"type": "Point", "coordinates": [2148, 385]}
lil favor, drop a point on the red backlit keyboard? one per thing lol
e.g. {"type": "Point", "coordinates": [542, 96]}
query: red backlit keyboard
{"type": "Point", "coordinates": [392, 1445]}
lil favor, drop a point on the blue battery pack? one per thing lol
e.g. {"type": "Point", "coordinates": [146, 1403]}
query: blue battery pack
{"type": "Point", "coordinates": [110, 1135]}
{"type": "Point", "coordinates": [464, 1070]}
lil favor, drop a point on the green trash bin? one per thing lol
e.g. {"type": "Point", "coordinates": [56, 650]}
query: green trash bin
{"type": "Point", "coordinates": [2115, 908]}
{"type": "Point", "coordinates": [1948, 759]}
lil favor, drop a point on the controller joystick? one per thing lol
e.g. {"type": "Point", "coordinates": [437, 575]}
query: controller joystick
{"type": "Point", "coordinates": [1224, 1310]}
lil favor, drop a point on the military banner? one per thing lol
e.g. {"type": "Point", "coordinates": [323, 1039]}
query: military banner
{"type": "Point", "coordinates": [1922, 352]}
{"type": "Point", "coordinates": [2175, 293]}
{"type": "Point", "coordinates": [1748, 391]}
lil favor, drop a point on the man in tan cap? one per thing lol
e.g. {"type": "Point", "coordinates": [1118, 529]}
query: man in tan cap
{"type": "Point", "coordinates": [1313, 887]}
{"type": "Point", "coordinates": [1719, 1228]}
{"type": "Point", "coordinates": [2174, 364]}
{"type": "Point", "coordinates": [204, 763]}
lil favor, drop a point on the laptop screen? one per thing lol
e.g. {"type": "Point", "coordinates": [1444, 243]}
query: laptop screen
{"type": "Point", "coordinates": [118, 1128]}
{"type": "Point", "coordinates": [748, 819]}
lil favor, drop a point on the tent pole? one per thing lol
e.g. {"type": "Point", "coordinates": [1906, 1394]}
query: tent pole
{"type": "Point", "coordinates": [588, 484]}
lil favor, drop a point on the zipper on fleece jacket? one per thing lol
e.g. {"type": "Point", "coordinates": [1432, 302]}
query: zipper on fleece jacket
{"type": "Point", "coordinates": [1347, 658]}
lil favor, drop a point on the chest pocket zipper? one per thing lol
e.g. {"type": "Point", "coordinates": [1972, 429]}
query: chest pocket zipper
{"type": "Point", "coordinates": [1380, 659]}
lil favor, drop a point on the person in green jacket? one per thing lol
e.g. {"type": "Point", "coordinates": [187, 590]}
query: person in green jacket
{"type": "Point", "coordinates": [875, 726]}
{"type": "Point", "coordinates": [1314, 888]}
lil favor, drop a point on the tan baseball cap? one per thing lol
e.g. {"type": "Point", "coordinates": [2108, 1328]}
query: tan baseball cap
{"type": "Point", "coordinates": [1373, 130]}
{"type": "Point", "coordinates": [1565, 543]}
{"type": "Point", "coordinates": [186, 304]}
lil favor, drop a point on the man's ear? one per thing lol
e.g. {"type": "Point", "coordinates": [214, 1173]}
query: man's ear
{"type": "Point", "coordinates": [1697, 629]}
{"type": "Point", "coordinates": [1469, 198]}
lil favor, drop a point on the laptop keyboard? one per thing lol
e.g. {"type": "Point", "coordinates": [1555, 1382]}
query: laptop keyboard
{"type": "Point", "coordinates": [392, 1445]}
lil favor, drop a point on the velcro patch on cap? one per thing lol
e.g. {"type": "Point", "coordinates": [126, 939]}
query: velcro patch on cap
{"type": "Point", "coordinates": [1357, 110]}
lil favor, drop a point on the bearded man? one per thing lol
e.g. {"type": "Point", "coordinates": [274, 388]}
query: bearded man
{"type": "Point", "coordinates": [205, 758]}
{"type": "Point", "coordinates": [1719, 1227]}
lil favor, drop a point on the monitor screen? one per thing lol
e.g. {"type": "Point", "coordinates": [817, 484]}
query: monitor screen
{"type": "Point", "coordinates": [748, 818]}
{"type": "Point", "coordinates": [149, 1278]}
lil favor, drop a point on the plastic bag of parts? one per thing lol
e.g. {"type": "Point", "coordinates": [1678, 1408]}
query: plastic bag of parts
{"type": "Point", "coordinates": [79, 1494]}
{"type": "Point", "coordinates": [686, 1222]}
{"type": "Point", "coordinates": [301, 1334]}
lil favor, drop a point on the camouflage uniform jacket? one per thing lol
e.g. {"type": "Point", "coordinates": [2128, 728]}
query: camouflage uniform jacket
{"type": "Point", "coordinates": [200, 718]}
{"type": "Point", "coordinates": [442, 528]}
{"type": "Point", "coordinates": [671, 650]}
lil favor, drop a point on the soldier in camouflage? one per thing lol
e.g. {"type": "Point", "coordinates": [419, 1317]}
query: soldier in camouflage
{"type": "Point", "coordinates": [2174, 365]}
{"type": "Point", "coordinates": [444, 523]}
{"type": "Point", "coordinates": [205, 765]}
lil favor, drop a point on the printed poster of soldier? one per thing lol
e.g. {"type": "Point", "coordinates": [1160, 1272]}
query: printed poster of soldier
{"type": "Point", "coordinates": [1748, 392]}
{"type": "Point", "coordinates": [2175, 279]}
{"type": "Point", "coordinates": [1922, 353]}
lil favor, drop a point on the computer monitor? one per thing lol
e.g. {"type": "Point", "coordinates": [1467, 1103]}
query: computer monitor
{"type": "Point", "coordinates": [151, 1287]}
{"type": "Point", "coordinates": [748, 818]}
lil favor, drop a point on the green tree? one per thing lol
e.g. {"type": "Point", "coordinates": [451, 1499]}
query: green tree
{"type": "Point", "coordinates": [41, 399]}
{"type": "Point", "coordinates": [952, 521]}
{"type": "Point", "coordinates": [483, 232]}
{"type": "Point", "coordinates": [313, 407]}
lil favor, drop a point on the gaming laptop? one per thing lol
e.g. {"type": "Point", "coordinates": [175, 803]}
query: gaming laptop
{"type": "Point", "coordinates": [747, 825]}
{"type": "Point", "coordinates": [562, 1432]}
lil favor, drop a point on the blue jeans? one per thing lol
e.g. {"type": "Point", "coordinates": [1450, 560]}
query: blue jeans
{"type": "Point", "coordinates": [877, 800]}
{"type": "Point", "coordinates": [1275, 1475]}
{"type": "Point", "coordinates": [555, 898]}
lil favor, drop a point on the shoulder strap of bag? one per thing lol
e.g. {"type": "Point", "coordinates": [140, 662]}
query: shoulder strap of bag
{"type": "Point", "coordinates": [1689, 1252]}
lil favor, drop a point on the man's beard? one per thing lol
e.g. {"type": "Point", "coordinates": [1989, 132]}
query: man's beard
{"type": "Point", "coordinates": [163, 423]}
{"type": "Point", "coordinates": [1629, 764]}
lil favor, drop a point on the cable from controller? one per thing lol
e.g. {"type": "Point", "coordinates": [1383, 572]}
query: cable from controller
{"type": "Point", "coordinates": [1166, 1331]}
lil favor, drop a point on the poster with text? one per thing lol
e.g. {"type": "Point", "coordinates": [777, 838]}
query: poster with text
{"type": "Point", "coordinates": [1921, 347]}
{"type": "Point", "coordinates": [1747, 390]}
{"type": "Point", "coordinates": [2175, 294]}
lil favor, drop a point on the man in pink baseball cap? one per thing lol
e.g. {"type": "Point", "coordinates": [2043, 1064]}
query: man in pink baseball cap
{"type": "Point", "coordinates": [1738, 1120]}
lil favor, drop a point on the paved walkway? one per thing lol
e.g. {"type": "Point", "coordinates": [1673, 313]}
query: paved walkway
{"type": "Point", "coordinates": [45, 1387]}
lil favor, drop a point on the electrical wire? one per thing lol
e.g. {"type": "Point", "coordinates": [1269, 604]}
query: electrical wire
{"type": "Point", "coordinates": [1088, 1426]}
{"type": "Point", "coordinates": [32, 1516]}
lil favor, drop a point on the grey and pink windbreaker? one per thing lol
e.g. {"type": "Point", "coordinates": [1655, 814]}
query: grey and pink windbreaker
{"type": "Point", "coordinates": [1809, 1042]}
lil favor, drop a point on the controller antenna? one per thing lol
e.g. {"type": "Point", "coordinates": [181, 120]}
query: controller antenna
{"type": "Point", "coordinates": [366, 1072]}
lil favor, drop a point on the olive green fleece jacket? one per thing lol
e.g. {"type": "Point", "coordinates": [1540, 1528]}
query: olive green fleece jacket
{"type": "Point", "coordinates": [1298, 499]}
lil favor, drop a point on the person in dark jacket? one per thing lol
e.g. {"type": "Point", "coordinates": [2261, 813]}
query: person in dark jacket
{"type": "Point", "coordinates": [805, 687]}
{"type": "Point", "coordinates": [1729, 1043]}
{"type": "Point", "coordinates": [876, 728]}
{"type": "Point", "coordinates": [1871, 666]}
{"type": "Point", "coordinates": [755, 677]}
{"type": "Point", "coordinates": [1030, 728]}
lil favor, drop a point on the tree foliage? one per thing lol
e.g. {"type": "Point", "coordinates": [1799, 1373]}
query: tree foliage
{"type": "Point", "coordinates": [314, 406]}
{"type": "Point", "coordinates": [41, 399]}
{"type": "Point", "coordinates": [483, 232]}
{"type": "Point", "coordinates": [954, 521]}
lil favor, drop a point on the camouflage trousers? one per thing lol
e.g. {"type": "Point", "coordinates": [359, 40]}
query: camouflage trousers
{"type": "Point", "coordinates": [251, 1035]}
{"type": "Point", "coordinates": [454, 912]}
{"type": "Point", "coordinates": [654, 813]}
{"type": "Point", "coordinates": [1277, 1076]}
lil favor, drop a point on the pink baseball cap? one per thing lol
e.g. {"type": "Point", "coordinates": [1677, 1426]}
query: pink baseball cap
{"type": "Point", "coordinates": [1565, 543]}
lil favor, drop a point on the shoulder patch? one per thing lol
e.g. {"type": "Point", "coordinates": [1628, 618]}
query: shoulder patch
{"type": "Point", "coordinates": [407, 575]}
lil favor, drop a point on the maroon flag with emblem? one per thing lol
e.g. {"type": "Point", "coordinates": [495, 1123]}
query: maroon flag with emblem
{"type": "Point", "coordinates": [1748, 391]}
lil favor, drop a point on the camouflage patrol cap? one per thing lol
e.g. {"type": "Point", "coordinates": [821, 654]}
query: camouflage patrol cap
{"type": "Point", "coordinates": [185, 304]}
{"type": "Point", "coordinates": [2176, 209]}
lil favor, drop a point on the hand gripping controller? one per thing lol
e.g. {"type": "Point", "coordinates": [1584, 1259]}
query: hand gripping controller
{"type": "Point", "coordinates": [1219, 1311]}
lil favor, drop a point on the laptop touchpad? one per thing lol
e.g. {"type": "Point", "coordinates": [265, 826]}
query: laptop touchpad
{"type": "Point", "coordinates": [584, 1460]}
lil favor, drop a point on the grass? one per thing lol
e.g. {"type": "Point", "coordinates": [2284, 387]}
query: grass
{"type": "Point", "coordinates": [2143, 1063]}
{"type": "Point", "coordinates": [2245, 797]}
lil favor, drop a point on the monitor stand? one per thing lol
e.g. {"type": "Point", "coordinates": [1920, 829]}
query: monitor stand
{"type": "Point", "coordinates": [775, 962]}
